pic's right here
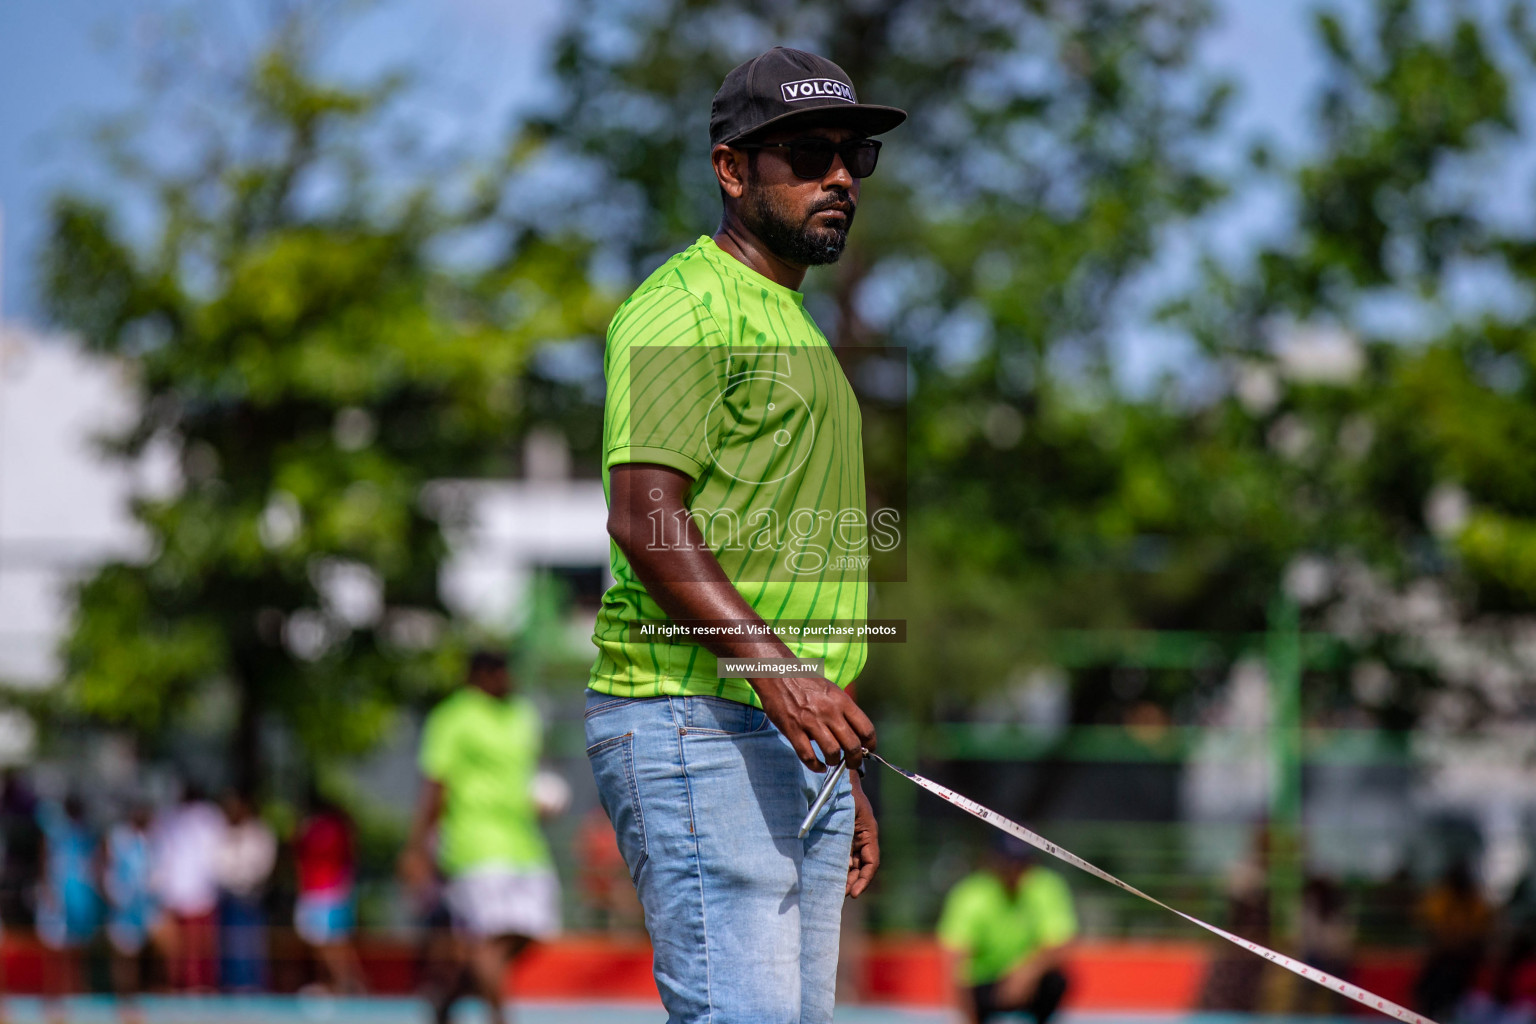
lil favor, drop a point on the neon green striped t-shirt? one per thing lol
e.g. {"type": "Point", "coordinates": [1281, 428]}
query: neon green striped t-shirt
{"type": "Point", "coordinates": [715, 370]}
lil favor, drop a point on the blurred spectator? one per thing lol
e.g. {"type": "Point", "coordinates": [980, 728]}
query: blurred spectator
{"type": "Point", "coordinates": [185, 856]}
{"type": "Point", "coordinates": [602, 879]}
{"type": "Point", "coordinates": [1519, 946]}
{"type": "Point", "coordinates": [21, 869]}
{"type": "Point", "coordinates": [1327, 943]}
{"type": "Point", "coordinates": [1395, 908]}
{"type": "Point", "coordinates": [68, 907]}
{"type": "Point", "coordinates": [479, 755]}
{"type": "Point", "coordinates": [1235, 979]}
{"type": "Point", "coordinates": [134, 918]}
{"type": "Point", "coordinates": [325, 915]}
{"type": "Point", "coordinates": [246, 854]}
{"type": "Point", "coordinates": [1008, 926]}
{"type": "Point", "coordinates": [1459, 923]}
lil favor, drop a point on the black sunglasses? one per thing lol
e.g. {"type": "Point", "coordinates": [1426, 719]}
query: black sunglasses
{"type": "Point", "coordinates": [812, 158]}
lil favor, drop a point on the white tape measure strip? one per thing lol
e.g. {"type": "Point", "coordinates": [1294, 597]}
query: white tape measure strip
{"type": "Point", "coordinates": [1312, 974]}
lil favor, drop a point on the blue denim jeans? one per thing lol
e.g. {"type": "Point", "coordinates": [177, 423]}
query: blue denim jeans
{"type": "Point", "coordinates": [706, 797]}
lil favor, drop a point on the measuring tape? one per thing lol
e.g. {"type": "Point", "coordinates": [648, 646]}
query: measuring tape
{"type": "Point", "coordinates": [1296, 967]}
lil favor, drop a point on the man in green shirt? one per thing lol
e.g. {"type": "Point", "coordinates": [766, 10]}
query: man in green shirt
{"type": "Point", "coordinates": [479, 754]}
{"type": "Point", "coordinates": [733, 468]}
{"type": "Point", "coordinates": [1007, 927]}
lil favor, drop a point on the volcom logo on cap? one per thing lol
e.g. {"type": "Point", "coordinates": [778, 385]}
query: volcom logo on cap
{"type": "Point", "coordinates": [817, 88]}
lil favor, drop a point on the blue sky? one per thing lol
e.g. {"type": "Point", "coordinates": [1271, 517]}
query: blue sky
{"type": "Point", "coordinates": [66, 63]}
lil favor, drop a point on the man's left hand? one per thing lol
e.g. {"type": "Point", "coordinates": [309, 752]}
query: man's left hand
{"type": "Point", "coordinates": [864, 858]}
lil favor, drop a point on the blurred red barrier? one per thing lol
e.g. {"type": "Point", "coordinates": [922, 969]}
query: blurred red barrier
{"type": "Point", "coordinates": [1106, 976]}
{"type": "Point", "coordinates": [588, 968]}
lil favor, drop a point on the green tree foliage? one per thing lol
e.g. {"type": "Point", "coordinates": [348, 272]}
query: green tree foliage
{"type": "Point", "coordinates": [1360, 397]}
{"type": "Point", "coordinates": [1342, 383]}
{"type": "Point", "coordinates": [300, 340]}
{"type": "Point", "coordinates": [1405, 469]}
{"type": "Point", "coordinates": [1048, 145]}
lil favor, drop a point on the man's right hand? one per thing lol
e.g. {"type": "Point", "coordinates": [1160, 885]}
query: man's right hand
{"type": "Point", "coordinates": [810, 709]}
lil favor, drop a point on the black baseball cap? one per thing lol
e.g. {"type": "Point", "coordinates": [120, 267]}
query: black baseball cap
{"type": "Point", "coordinates": [785, 85]}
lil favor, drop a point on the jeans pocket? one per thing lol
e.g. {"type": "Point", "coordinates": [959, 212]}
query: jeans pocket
{"type": "Point", "coordinates": [719, 716]}
{"type": "Point", "coordinates": [599, 706]}
{"type": "Point", "coordinates": [613, 768]}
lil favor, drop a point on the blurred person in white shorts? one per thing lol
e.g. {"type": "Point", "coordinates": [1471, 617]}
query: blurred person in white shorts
{"type": "Point", "coordinates": [479, 758]}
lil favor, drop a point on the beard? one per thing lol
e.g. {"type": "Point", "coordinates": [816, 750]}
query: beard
{"type": "Point", "coordinates": [792, 238]}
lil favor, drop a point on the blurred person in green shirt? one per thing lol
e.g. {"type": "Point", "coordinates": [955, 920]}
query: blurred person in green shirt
{"type": "Point", "coordinates": [479, 756]}
{"type": "Point", "coordinates": [1007, 927]}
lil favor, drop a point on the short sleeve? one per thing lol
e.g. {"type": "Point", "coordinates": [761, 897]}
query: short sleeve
{"type": "Point", "coordinates": [956, 920]}
{"type": "Point", "coordinates": [436, 759]}
{"type": "Point", "coordinates": [1053, 905]}
{"type": "Point", "coordinates": [665, 364]}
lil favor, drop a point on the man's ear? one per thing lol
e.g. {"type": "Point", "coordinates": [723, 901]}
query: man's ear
{"type": "Point", "coordinates": [730, 170]}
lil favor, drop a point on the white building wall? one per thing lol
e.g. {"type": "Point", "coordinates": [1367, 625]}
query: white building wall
{"type": "Point", "coordinates": [63, 506]}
